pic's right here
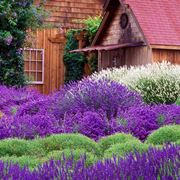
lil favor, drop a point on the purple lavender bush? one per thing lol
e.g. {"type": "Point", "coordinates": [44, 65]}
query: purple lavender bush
{"type": "Point", "coordinates": [91, 124]}
{"type": "Point", "coordinates": [29, 127]}
{"type": "Point", "coordinates": [93, 108]}
{"type": "Point", "coordinates": [38, 107]}
{"type": "Point", "coordinates": [154, 164]}
{"type": "Point", "coordinates": [11, 99]}
{"type": "Point", "coordinates": [91, 95]}
{"type": "Point", "coordinates": [141, 121]}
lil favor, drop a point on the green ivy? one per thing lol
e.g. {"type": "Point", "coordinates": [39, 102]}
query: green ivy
{"type": "Point", "coordinates": [92, 24]}
{"type": "Point", "coordinates": [74, 62]}
{"type": "Point", "coordinates": [16, 17]}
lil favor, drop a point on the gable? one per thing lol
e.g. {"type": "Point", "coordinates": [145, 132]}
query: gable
{"type": "Point", "coordinates": [112, 33]}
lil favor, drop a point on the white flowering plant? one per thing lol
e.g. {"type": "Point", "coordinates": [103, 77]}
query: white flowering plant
{"type": "Point", "coordinates": [157, 82]}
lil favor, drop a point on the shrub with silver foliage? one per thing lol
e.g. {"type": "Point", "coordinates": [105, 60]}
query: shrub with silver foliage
{"type": "Point", "coordinates": [157, 83]}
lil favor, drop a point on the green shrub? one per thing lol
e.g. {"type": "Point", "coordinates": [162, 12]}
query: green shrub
{"type": "Point", "coordinates": [177, 142]}
{"type": "Point", "coordinates": [75, 153]}
{"type": "Point", "coordinates": [13, 147]}
{"type": "Point", "coordinates": [35, 149]}
{"type": "Point", "coordinates": [118, 138]}
{"type": "Point", "coordinates": [166, 134]}
{"type": "Point", "coordinates": [29, 161]}
{"type": "Point", "coordinates": [91, 26]}
{"type": "Point", "coordinates": [19, 147]}
{"type": "Point", "coordinates": [124, 148]}
{"type": "Point", "coordinates": [178, 101]}
{"type": "Point", "coordinates": [70, 141]}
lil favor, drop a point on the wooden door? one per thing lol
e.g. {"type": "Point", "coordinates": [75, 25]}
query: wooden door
{"type": "Point", "coordinates": [52, 43]}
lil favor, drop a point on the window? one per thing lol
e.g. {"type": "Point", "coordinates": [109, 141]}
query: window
{"type": "Point", "coordinates": [124, 20]}
{"type": "Point", "coordinates": [34, 65]}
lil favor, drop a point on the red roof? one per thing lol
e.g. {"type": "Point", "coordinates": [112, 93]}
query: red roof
{"type": "Point", "coordinates": [158, 19]}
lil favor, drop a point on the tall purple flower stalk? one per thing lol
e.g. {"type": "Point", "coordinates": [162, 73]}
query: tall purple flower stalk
{"type": "Point", "coordinates": [154, 164]}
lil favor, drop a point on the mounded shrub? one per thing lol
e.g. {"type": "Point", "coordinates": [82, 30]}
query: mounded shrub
{"type": "Point", "coordinates": [139, 121]}
{"type": "Point", "coordinates": [117, 138]}
{"type": "Point", "coordinates": [70, 141]}
{"type": "Point", "coordinates": [13, 147]}
{"type": "Point", "coordinates": [34, 148]}
{"type": "Point", "coordinates": [123, 149]}
{"type": "Point", "coordinates": [20, 147]}
{"type": "Point", "coordinates": [23, 161]}
{"type": "Point", "coordinates": [157, 83]}
{"type": "Point", "coordinates": [178, 142]}
{"type": "Point", "coordinates": [163, 90]}
{"type": "Point", "coordinates": [166, 134]}
{"type": "Point", "coordinates": [77, 154]}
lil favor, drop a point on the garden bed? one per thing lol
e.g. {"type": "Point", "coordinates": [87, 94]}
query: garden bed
{"type": "Point", "coordinates": [117, 126]}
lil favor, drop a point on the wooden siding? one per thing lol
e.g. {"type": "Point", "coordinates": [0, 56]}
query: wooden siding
{"type": "Point", "coordinates": [64, 13]}
{"type": "Point", "coordinates": [114, 58]}
{"type": "Point", "coordinates": [53, 62]}
{"type": "Point", "coordinates": [138, 56]}
{"type": "Point", "coordinates": [172, 56]}
{"type": "Point", "coordinates": [114, 34]}
{"type": "Point", "coordinates": [127, 56]}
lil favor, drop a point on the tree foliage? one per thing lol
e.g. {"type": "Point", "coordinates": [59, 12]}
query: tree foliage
{"type": "Point", "coordinates": [16, 17]}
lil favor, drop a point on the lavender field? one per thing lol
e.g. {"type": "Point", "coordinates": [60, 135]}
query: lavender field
{"type": "Point", "coordinates": [90, 129]}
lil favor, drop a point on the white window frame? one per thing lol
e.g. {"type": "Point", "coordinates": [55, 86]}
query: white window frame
{"type": "Point", "coordinates": [36, 60]}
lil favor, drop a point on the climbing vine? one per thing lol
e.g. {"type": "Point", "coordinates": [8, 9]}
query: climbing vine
{"type": "Point", "coordinates": [75, 62]}
{"type": "Point", "coordinates": [16, 17]}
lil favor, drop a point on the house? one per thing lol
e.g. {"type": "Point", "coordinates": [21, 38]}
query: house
{"type": "Point", "coordinates": [44, 57]}
{"type": "Point", "coordinates": [136, 32]}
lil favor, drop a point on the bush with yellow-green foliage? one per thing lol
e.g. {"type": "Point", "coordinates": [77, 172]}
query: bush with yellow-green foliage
{"type": "Point", "coordinates": [76, 154]}
{"type": "Point", "coordinates": [34, 152]}
{"type": "Point", "coordinates": [177, 142]}
{"type": "Point", "coordinates": [165, 134]}
{"type": "Point", "coordinates": [30, 161]}
{"type": "Point", "coordinates": [123, 149]}
{"type": "Point", "coordinates": [20, 147]}
{"type": "Point", "coordinates": [117, 138]}
{"type": "Point", "coordinates": [69, 141]}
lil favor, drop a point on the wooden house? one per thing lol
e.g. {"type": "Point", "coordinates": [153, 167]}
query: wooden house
{"type": "Point", "coordinates": [136, 32]}
{"type": "Point", "coordinates": [44, 58]}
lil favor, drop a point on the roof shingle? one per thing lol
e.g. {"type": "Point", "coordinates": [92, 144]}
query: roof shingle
{"type": "Point", "coordinates": [158, 19]}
